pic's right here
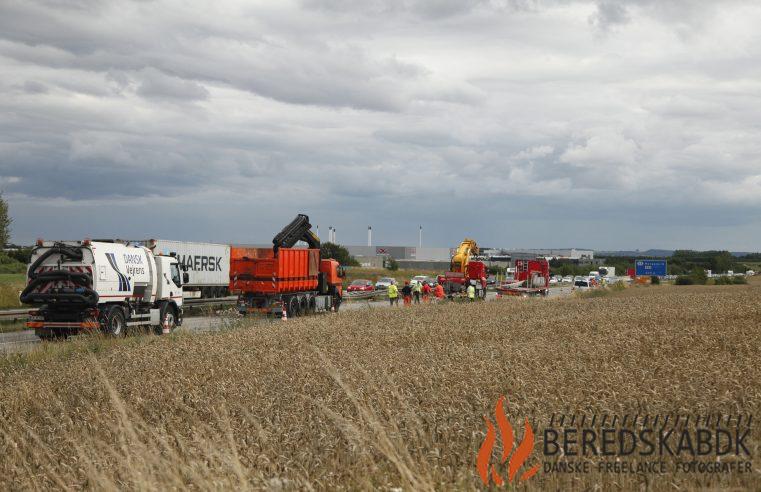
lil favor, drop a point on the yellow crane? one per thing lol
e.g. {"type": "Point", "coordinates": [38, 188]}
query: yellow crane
{"type": "Point", "coordinates": [462, 256]}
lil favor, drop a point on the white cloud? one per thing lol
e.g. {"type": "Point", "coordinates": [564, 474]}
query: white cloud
{"type": "Point", "coordinates": [361, 112]}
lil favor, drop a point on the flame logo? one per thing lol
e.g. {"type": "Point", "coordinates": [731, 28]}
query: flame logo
{"type": "Point", "coordinates": [518, 458]}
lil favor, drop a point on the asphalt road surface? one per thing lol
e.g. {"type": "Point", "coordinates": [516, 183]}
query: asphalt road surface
{"type": "Point", "coordinates": [21, 341]}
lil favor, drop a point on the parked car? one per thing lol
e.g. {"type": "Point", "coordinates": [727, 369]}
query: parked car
{"type": "Point", "coordinates": [361, 285]}
{"type": "Point", "coordinates": [567, 279]}
{"type": "Point", "coordinates": [421, 278]}
{"type": "Point", "coordinates": [582, 284]}
{"type": "Point", "coordinates": [383, 283]}
{"type": "Point", "coordinates": [491, 280]}
{"type": "Point", "coordinates": [553, 281]}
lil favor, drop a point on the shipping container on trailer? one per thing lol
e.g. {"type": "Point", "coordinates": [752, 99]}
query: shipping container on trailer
{"type": "Point", "coordinates": [208, 265]}
{"type": "Point", "coordinates": [293, 270]}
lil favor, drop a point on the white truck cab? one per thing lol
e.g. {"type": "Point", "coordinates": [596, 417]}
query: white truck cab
{"type": "Point", "coordinates": [101, 285]}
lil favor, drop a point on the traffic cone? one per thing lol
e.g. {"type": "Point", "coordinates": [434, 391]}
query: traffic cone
{"type": "Point", "coordinates": [285, 315]}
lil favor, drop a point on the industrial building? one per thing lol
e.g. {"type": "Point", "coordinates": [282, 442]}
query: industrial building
{"type": "Point", "coordinates": [402, 252]}
{"type": "Point", "coordinates": [437, 258]}
{"type": "Point", "coordinates": [556, 254]}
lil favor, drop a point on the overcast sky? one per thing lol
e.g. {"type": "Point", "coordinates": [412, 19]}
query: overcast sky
{"type": "Point", "coordinates": [521, 123]}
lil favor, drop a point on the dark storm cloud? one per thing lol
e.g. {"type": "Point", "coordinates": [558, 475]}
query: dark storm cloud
{"type": "Point", "coordinates": [571, 115]}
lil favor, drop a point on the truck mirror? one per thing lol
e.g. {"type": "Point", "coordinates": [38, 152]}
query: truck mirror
{"type": "Point", "coordinates": [185, 278]}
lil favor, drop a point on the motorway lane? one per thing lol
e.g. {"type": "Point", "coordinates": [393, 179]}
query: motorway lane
{"type": "Point", "coordinates": [24, 340]}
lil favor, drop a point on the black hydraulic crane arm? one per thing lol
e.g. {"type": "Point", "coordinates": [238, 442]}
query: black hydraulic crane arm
{"type": "Point", "coordinates": [298, 230]}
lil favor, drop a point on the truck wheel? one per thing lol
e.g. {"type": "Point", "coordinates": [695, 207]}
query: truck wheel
{"type": "Point", "coordinates": [169, 315]}
{"type": "Point", "coordinates": [293, 307]}
{"type": "Point", "coordinates": [304, 306]}
{"type": "Point", "coordinates": [114, 323]}
{"type": "Point", "coordinates": [336, 303]}
{"type": "Point", "coordinates": [312, 305]}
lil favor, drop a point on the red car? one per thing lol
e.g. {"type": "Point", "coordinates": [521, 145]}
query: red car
{"type": "Point", "coordinates": [361, 286]}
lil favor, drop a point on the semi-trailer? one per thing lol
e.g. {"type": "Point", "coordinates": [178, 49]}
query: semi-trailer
{"type": "Point", "coordinates": [285, 279]}
{"type": "Point", "coordinates": [101, 286]}
{"type": "Point", "coordinates": [208, 265]}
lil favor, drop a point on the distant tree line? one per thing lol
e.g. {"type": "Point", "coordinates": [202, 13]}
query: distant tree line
{"type": "Point", "coordinates": [12, 259]}
{"type": "Point", "coordinates": [338, 253]}
{"type": "Point", "coordinates": [682, 262]}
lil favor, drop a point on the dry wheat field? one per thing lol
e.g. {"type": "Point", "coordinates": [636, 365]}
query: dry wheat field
{"type": "Point", "coordinates": [377, 399]}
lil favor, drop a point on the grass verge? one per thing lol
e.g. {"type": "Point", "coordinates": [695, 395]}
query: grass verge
{"type": "Point", "coordinates": [10, 286]}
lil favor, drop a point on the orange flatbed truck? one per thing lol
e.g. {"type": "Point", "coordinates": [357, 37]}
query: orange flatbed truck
{"type": "Point", "coordinates": [284, 278]}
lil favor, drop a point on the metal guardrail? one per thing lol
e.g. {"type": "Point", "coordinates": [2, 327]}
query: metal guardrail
{"type": "Point", "coordinates": [348, 296]}
{"type": "Point", "coordinates": [22, 314]}
{"type": "Point", "coordinates": [214, 300]}
{"type": "Point", "coordinates": [14, 314]}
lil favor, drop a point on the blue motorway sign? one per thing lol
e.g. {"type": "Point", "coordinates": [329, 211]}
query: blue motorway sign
{"type": "Point", "coordinates": [650, 268]}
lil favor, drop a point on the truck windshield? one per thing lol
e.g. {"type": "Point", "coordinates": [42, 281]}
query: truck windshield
{"type": "Point", "coordinates": [176, 275]}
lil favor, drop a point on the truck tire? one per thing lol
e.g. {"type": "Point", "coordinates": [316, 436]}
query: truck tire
{"type": "Point", "coordinates": [293, 307]}
{"type": "Point", "coordinates": [114, 322]}
{"type": "Point", "coordinates": [304, 306]}
{"type": "Point", "coordinates": [168, 313]}
{"type": "Point", "coordinates": [312, 305]}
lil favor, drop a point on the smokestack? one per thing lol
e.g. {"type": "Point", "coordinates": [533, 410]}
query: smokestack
{"type": "Point", "coordinates": [317, 231]}
{"type": "Point", "coordinates": [369, 236]}
{"type": "Point", "coordinates": [330, 234]}
{"type": "Point", "coordinates": [420, 238]}
{"type": "Point", "coordinates": [334, 236]}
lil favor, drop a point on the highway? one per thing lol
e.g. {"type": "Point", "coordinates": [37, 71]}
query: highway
{"type": "Point", "coordinates": [20, 341]}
